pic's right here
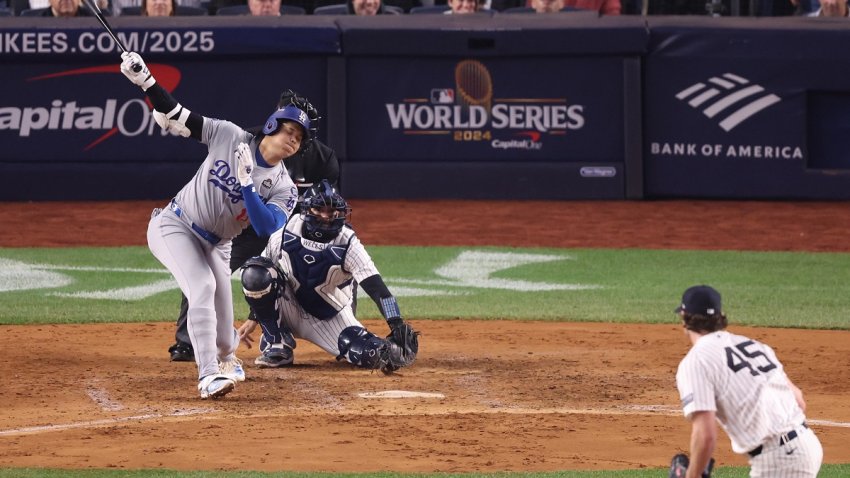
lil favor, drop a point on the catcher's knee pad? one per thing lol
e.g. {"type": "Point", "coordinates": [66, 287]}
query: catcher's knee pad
{"type": "Point", "coordinates": [261, 285]}
{"type": "Point", "coordinates": [362, 348]}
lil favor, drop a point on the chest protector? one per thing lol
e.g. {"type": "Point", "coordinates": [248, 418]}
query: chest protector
{"type": "Point", "coordinates": [316, 276]}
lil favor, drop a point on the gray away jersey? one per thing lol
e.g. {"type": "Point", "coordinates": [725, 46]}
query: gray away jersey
{"type": "Point", "coordinates": [213, 198]}
{"type": "Point", "coordinates": [744, 383]}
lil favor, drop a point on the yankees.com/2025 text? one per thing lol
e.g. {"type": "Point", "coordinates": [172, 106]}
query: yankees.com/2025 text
{"type": "Point", "coordinates": [148, 41]}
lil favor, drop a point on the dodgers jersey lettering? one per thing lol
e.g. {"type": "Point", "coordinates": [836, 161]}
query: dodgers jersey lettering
{"type": "Point", "coordinates": [744, 383]}
{"type": "Point", "coordinates": [213, 198]}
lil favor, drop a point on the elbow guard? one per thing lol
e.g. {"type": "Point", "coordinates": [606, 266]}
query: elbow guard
{"type": "Point", "coordinates": [174, 121]}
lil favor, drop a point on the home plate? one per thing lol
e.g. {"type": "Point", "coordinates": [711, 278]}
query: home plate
{"type": "Point", "coordinates": [400, 394]}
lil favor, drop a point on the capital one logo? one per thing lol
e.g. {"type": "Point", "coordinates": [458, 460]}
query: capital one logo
{"type": "Point", "coordinates": [729, 99]}
{"type": "Point", "coordinates": [111, 117]}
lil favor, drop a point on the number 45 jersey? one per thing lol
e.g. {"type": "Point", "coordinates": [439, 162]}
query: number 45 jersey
{"type": "Point", "coordinates": [744, 383]}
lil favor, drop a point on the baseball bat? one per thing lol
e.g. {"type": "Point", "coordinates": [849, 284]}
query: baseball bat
{"type": "Point", "coordinates": [92, 5]}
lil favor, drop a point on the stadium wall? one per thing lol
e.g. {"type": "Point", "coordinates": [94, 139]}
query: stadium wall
{"type": "Point", "coordinates": [567, 106]}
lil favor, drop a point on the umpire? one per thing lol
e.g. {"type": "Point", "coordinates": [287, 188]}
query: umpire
{"type": "Point", "coordinates": [315, 162]}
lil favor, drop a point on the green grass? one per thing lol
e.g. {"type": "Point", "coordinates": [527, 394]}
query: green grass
{"type": "Point", "coordinates": [778, 289]}
{"type": "Point", "coordinates": [827, 471]}
{"type": "Point", "coordinates": [810, 290]}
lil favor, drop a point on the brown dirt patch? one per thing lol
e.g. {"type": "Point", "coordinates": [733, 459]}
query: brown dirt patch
{"type": "Point", "coordinates": [534, 396]}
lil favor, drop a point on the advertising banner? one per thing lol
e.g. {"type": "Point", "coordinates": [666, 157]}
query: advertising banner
{"type": "Point", "coordinates": [741, 114]}
{"type": "Point", "coordinates": [79, 112]}
{"type": "Point", "coordinates": [83, 39]}
{"type": "Point", "coordinates": [492, 109]}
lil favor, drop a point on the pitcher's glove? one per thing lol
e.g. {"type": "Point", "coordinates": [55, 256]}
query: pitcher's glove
{"type": "Point", "coordinates": [404, 345]}
{"type": "Point", "coordinates": [679, 465]}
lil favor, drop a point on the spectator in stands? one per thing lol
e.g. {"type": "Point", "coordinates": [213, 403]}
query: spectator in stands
{"type": "Point", "coordinates": [118, 5]}
{"type": "Point", "coordinates": [461, 7]}
{"type": "Point", "coordinates": [547, 6]}
{"type": "Point", "coordinates": [832, 8]}
{"type": "Point", "coordinates": [66, 8]}
{"type": "Point", "coordinates": [158, 8]}
{"type": "Point", "coordinates": [604, 7]}
{"type": "Point", "coordinates": [18, 6]}
{"type": "Point", "coordinates": [264, 8]}
{"type": "Point", "coordinates": [367, 7]}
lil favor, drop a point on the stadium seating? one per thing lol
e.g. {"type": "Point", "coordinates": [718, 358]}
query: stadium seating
{"type": "Point", "coordinates": [179, 12]}
{"type": "Point", "coordinates": [243, 10]}
{"type": "Point", "coordinates": [342, 9]}
{"type": "Point", "coordinates": [32, 12]}
{"type": "Point", "coordinates": [430, 9]}
{"type": "Point", "coordinates": [338, 9]}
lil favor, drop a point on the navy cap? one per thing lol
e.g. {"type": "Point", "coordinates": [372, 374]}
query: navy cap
{"type": "Point", "coordinates": [700, 300]}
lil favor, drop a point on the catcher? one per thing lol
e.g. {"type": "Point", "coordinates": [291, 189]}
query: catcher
{"type": "Point", "coordinates": [302, 287]}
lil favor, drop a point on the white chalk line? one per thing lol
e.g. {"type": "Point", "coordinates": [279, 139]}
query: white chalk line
{"type": "Point", "coordinates": [102, 398]}
{"type": "Point", "coordinates": [625, 410]}
{"type": "Point", "coordinates": [400, 394]}
{"type": "Point", "coordinates": [100, 423]}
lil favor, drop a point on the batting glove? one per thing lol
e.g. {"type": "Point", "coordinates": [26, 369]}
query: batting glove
{"type": "Point", "coordinates": [245, 165]}
{"type": "Point", "coordinates": [131, 62]}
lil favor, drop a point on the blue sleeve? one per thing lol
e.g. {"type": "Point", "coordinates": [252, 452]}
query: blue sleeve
{"type": "Point", "coordinates": [266, 218]}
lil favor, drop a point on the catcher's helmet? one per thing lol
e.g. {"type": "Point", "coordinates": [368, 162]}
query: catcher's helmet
{"type": "Point", "coordinates": [324, 212]}
{"type": "Point", "coordinates": [291, 113]}
{"type": "Point", "coordinates": [289, 97]}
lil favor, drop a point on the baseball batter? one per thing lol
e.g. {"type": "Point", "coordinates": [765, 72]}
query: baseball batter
{"type": "Point", "coordinates": [740, 383]}
{"type": "Point", "coordinates": [314, 162]}
{"type": "Point", "coordinates": [191, 236]}
{"type": "Point", "coordinates": [301, 287]}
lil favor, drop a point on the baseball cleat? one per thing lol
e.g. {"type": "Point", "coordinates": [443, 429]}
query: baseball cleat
{"type": "Point", "coordinates": [233, 369]}
{"type": "Point", "coordinates": [278, 355]}
{"type": "Point", "coordinates": [215, 386]}
{"type": "Point", "coordinates": [181, 352]}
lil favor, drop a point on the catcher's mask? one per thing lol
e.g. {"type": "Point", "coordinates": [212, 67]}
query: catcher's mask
{"type": "Point", "coordinates": [290, 97]}
{"type": "Point", "coordinates": [324, 212]}
{"type": "Point", "coordinates": [288, 113]}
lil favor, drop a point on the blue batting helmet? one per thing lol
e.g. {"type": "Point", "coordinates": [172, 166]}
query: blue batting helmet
{"type": "Point", "coordinates": [291, 113]}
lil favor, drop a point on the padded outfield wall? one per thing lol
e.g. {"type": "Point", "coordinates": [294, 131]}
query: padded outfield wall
{"type": "Point", "coordinates": [566, 106]}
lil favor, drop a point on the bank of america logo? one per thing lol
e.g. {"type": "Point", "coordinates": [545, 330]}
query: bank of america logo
{"type": "Point", "coordinates": [729, 97]}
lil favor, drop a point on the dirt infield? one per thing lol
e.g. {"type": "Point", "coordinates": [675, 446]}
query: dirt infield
{"type": "Point", "coordinates": [519, 396]}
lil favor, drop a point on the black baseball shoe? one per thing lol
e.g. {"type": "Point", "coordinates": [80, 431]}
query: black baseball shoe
{"type": "Point", "coordinates": [181, 352]}
{"type": "Point", "coordinates": [274, 356]}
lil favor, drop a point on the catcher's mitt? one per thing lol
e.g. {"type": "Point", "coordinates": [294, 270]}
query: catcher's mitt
{"type": "Point", "coordinates": [404, 345]}
{"type": "Point", "coordinates": [679, 465]}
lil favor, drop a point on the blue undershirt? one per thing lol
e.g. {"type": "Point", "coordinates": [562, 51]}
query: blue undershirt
{"type": "Point", "coordinates": [266, 218]}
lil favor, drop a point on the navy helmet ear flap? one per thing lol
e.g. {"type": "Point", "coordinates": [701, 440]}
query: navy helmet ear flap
{"type": "Point", "coordinates": [291, 113]}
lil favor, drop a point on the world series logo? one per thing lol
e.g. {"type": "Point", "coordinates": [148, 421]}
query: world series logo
{"type": "Point", "coordinates": [469, 111]}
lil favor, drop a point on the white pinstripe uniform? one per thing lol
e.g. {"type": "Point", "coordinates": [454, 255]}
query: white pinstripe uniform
{"type": "Point", "coordinates": [336, 290]}
{"type": "Point", "coordinates": [743, 382]}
